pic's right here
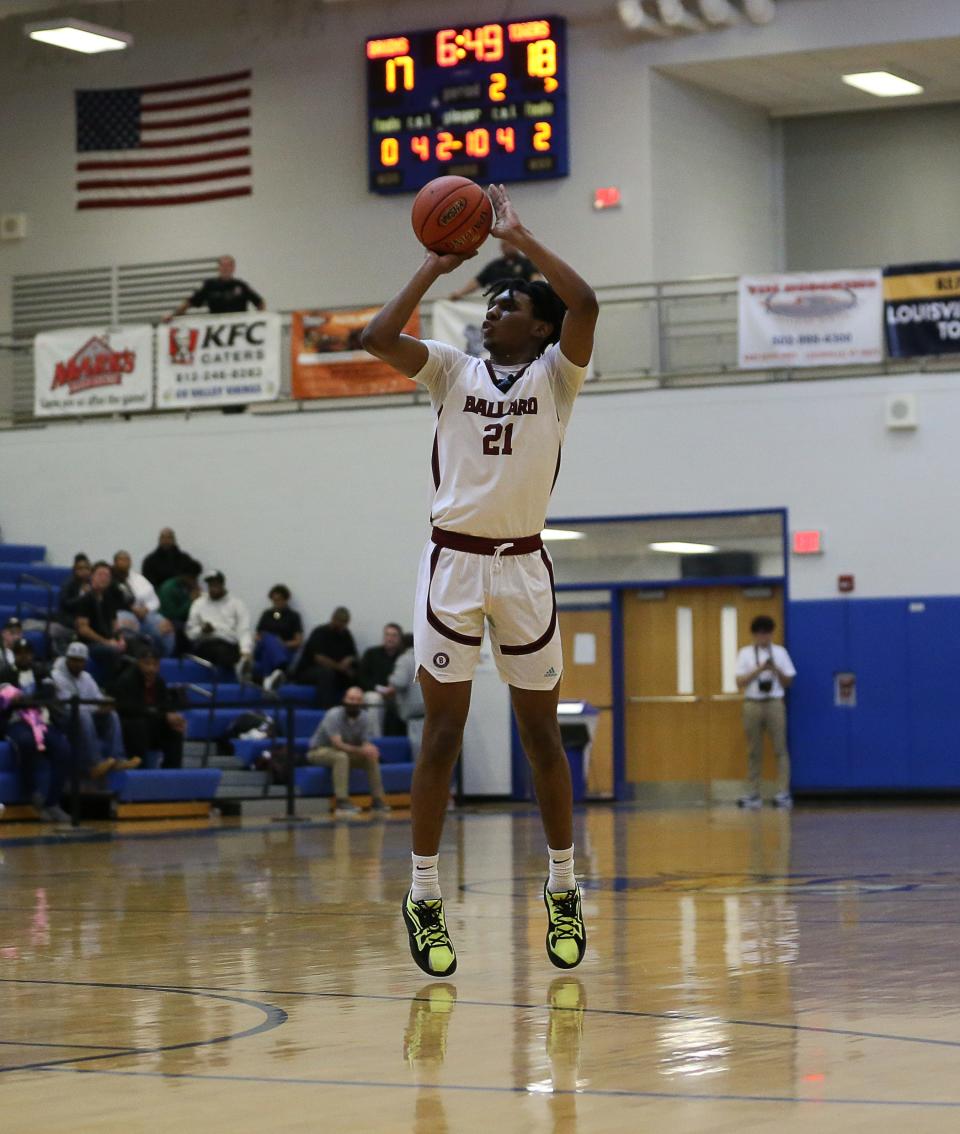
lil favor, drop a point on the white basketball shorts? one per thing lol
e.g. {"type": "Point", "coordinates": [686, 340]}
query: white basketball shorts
{"type": "Point", "coordinates": [457, 590]}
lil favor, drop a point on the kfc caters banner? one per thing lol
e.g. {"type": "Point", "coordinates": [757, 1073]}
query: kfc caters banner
{"type": "Point", "coordinates": [922, 308]}
{"type": "Point", "coordinates": [327, 360]}
{"type": "Point", "coordinates": [85, 370]}
{"type": "Point", "coordinates": [810, 319]}
{"type": "Point", "coordinates": [218, 360]}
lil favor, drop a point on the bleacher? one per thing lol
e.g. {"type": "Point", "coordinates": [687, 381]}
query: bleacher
{"type": "Point", "coordinates": [28, 590]}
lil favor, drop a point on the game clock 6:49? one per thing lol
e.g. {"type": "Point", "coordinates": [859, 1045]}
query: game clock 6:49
{"type": "Point", "coordinates": [488, 102]}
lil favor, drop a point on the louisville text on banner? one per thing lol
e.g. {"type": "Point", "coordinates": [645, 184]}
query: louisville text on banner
{"type": "Point", "coordinates": [921, 308]}
{"type": "Point", "coordinates": [218, 360]}
{"type": "Point", "coordinates": [810, 319]}
{"type": "Point", "coordinates": [327, 360]}
{"type": "Point", "coordinates": [87, 370]}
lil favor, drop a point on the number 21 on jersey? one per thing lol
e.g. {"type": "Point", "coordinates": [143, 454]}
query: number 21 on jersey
{"type": "Point", "coordinates": [498, 440]}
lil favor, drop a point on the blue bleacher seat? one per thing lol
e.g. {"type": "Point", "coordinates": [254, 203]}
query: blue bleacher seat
{"type": "Point", "coordinates": [28, 596]}
{"type": "Point", "coordinates": [22, 553]}
{"type": "Point", "coordinates": [12, 574]}
{"type": "Point", "coordinates": [38, 639]}
{"type": "Point", "coordinates": [11, 790]}
{"type": "Point", "coordinates": [299, 694]}
{"type": "Point", "coordinates": [396, 770]}
{"type": "Point", "coordinates": [8, 762]}
{"type": "Point", "coordinates": [170, 669]}
{"type": "Point", "coordinates": [164, 784]}
{"type": "Point", "coordinates": [205, 694]}
{"type": "Point", "coordinates": [6, 611]}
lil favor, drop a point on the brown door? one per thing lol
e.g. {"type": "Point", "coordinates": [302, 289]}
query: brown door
{"type": "Point", "coordinates": [683, 730]}
{"type": "Point", "coordinates": [587, 677]}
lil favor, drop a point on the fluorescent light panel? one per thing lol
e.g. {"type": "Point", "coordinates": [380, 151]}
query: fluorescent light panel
{"type": "Point", "coordinates": [78, 35]}
{"type": "Point", "coordinates": [680, 548]}
{"type": "Point", "coordinates": [883, 84]}
{"type": "Point", "coordinates": [561, 534]}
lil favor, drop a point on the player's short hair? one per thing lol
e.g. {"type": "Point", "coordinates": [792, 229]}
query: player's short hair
{"type": "Point", "coordinates": [762, 624]}
{"type": "Point", "coordinates": [544, 301]}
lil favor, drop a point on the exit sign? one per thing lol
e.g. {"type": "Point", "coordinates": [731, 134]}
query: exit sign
{"type": "Point", "coordinates": [808, 543]}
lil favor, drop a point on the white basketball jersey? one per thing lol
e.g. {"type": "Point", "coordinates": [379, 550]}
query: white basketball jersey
{"type": "Point", "coordinates": [496, 455]}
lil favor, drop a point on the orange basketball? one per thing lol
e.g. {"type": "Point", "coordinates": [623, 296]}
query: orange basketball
{"type": "Point", "coordinates": [452, 214]}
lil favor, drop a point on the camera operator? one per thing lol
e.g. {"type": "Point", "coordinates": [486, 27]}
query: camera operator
{"type": "Point", "coordinates": [764, 673]}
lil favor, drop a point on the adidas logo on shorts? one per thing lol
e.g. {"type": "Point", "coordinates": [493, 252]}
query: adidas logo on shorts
{"type": "Point", "coordinates": [551, 672]}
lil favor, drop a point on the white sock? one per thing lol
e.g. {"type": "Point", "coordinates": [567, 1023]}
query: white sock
{"type": "Point", "coordinates": [561, 870]}
{"type": "Point", "coordinates": [426, 877]}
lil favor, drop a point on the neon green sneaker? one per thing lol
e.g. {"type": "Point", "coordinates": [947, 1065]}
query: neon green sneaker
{"type": "Point", "coordinates": [425, 1040]}
{"type": "Point", "coordinates": [566, 933]}
{"type": "Point", "coordinates": [430, 944]}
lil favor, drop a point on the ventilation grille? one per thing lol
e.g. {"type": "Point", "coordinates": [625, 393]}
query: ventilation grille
{"type": "Point", "coordinates": [147, 292]}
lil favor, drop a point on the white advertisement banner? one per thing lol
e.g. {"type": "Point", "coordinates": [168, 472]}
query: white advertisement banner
{"type": "Point", "coordinates": [84, 370]}
{"type": "Point", "coordinates": [218, 360]}
{"type": "Point", "coordinates": [811, 319]}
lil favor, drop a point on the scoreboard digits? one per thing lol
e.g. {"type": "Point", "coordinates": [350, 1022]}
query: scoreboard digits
{"type": "Point", "coordinates": [488, 102]}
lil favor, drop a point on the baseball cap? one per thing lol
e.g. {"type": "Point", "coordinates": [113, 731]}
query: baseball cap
{"type": "Point", "coordinates": [77, 650]}
{"type": "Point", "coordinates": [214, 575]}
{"type": "Point", "coordinates": [12, 623]}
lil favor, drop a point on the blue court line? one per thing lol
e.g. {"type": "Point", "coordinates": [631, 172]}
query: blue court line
{"type": "Point", "coordinates": [274, 1017]}
{"type": "Point", "coordinates": [585, 1092]}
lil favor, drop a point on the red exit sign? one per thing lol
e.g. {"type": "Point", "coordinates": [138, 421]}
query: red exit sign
{"type": "Point", "coordinates": [808, 543]}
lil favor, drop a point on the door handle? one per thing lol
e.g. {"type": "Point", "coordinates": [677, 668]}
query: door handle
{"type": "Point", "coordinates": [678, 699]}
{"type": "Point", "coordinates": [726, 696]}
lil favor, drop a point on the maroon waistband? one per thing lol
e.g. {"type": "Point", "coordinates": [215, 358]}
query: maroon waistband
{"type": "Point", "coordinates": [480, 545]}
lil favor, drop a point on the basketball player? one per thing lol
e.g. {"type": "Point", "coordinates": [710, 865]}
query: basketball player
{"type": "Point", "coordinates": [496, 455]}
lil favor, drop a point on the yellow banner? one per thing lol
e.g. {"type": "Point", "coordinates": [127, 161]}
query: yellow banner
{"type": "Point", "coordinates": [928, 285]}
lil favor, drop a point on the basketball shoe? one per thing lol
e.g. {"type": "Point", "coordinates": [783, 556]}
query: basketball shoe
{"type": "Point", "coordinates": [430, 944]}
{"type": "Point", "coordinates": [425, 1040]}
{"type": "Point", "coordinates": [566, 933]}
{"type": "Point", "coordinates": [568, 1000]}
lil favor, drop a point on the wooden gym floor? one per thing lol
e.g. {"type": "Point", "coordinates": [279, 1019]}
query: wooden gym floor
{"type": "Point", "coordinates": [746, 972]}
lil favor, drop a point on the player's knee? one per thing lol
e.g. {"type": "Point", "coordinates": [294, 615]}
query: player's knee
{"type": "Point", "coordinates": [541, 739]}
{"type": "Point", "coordinates": [442, 738]}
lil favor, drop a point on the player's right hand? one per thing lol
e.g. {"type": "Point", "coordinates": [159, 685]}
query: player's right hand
{"type": "Point", "coordinates": [448, 261]}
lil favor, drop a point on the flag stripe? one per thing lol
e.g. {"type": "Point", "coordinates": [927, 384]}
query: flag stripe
{"type": "Point", "coordinates": [145, 182]}
{"type": "Point", "coordinates": [195, 84]}
{"type": "Point", "coordinates": [199, 140]}
{"type": "Point", "coordinates": [190, 199]}
{"type": "Point", "coordinates": [221, 155]}
{"type": "Point", "coordinates": [200, 120]}
{"type": "Point", "coordinates": [206, 100]}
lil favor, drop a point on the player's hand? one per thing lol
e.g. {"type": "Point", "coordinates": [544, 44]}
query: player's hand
{"type": "Point", "coordinates": [506, 222]}
{"type": "Point", "coordinates": [444, 263]}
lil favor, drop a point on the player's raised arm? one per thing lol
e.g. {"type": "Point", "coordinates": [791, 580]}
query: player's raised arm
{"type": "Point", "coordinates": [576, 334]}
{"type": "Point", "coordinates": [383, 336]}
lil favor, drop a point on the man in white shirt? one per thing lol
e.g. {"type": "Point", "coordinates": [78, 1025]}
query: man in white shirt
{"type": "Point", "coordinates": [764, 674]}
{"type": "Point", "coordinates": [144, 604]}
{"type": "Point", "coordinates": [219, 625]}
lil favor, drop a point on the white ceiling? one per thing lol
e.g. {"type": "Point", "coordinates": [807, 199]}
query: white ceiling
{"type": "Point", "coordinates": [808, 82]}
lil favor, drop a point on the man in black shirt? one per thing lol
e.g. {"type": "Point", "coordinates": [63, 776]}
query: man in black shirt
{"type": "Point", "coordinates": [510, 265]}
{"type": "Point", "coordinates": [97, 618]}
{"type": "Point", "coordinates": [279, 636]}
{"type": "Point", "coordinates": [166, 561]}
{"type": "Point", "coordinates": [329, 659]}
{"type": "Point", "coordinates": [222, 294]}
{"type": "Point", "coordinates": [148, 712]}
{"type": "Point", "coordinates": [376, 666]}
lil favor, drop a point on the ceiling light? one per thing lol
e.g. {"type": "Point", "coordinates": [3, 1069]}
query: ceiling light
{"type": "Point", "coordinates": [680, 548]}
{"type": "Point", "coordinates": [882, 84]}
{"type": "Point", "coordinates": [561, 533]}
{"type": "Point", "coordinates": [78, 35]}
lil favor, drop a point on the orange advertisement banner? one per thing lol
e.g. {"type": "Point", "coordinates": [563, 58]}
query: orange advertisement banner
{"type": "Point", "coordinates": [327, 360]}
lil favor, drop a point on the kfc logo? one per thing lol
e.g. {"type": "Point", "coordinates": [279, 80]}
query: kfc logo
{"type": "Point", "coordinates": [183, 345]}
{"type": "Point", "coordinates": [95, 364]}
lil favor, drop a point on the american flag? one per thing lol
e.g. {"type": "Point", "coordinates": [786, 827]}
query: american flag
{"type": "Point", "coordinates": [167, 144]}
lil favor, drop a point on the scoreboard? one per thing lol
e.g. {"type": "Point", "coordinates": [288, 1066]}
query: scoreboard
{"type": "Point", "coordinates": [488, 102]}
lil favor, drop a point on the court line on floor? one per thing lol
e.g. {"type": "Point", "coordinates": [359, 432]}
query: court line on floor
{"type": "Point", "coordinates": [581, 1092]}
{"type": "Point", "coordinates": [274, 1017]}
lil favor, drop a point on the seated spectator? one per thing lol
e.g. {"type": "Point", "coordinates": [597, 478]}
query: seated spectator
{"type": "Point", "coordinates": [11, 634]}
{"type": "Point", "coordinates": [408, 695]}
{"type": "Point", "coordinates": [100, 738]}
{"type": "Point", "coordinates": [73, 590]}
{"type": "Point", "coordinates": [165, 561]}
{"type": "Point", "coordinates": [279, 636]}
{"type": "Point", "coordinates": [219, 626]}
{"type": "Point", "coordinates": [342, 742]}
{"type": "Point", "coordinates": [142, 599]}
{"type": "Point", "coordinates": [35, 734]}
{"type": "Point", "coordinates": [376, 665]}
{"type": "Point", "coordinates": [176, 597]}
{"type": "Point", "coordinates": [329, 659]}
{"type": "Point", "coordinates": [148, 713]}
{"type": "Point", "coordinates": [103, 619]}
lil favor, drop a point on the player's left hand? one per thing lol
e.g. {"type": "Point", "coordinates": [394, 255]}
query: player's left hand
{"type": "Point", "coordinates": [445, 262]}
{"type": "Point", "coordinates": [507, 223]}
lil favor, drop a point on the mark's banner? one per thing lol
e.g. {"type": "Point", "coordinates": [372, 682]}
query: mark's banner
{"type": "Point", "coordinates": [327, 360]}
{"type": "Point", "coordinates": [922, 308]}
{"type": "Point", "coordinates": [810, 319]}
{"type": "Point", "coordinates": [218, 360]}
{"type": "Point", "coordinates": [85, 370]}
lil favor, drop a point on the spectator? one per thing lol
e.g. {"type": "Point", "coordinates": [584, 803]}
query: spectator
{"type": "Point", "coordinates": [143, 601]}
{"type": "Point", "coordinates": [147, 712]}
{"type": "Point", "coordinates": [176, 597]}
{"type": "Point", "coordinates": [510, 265]}
{"type": "Point", "coordinates": [11, 634]}
{"type": "Point", "coordinates": [222, 294]}
{"type": "Point", "coordinates": [408, 695]}
{"type": "Point", "coordinates": [329, 659]}
{"type": "Point", "coordinates": [73, 590]}
{"type": "Point", "coordinates": [279, 636]}
{"type": "Point", "coordinates": [376, 665]}
{"type": "Point", "coordinates": [100, 738]}
{"type": "Point", "coordinates": [35, 734]}
{"type": "Point", "coordinates": [100, 618]}
{"type": "Point", "coordinates": [166, 560]}
{"type": "Point", "coordinates": [764, 673]}
{"type": "Point", "coordinates": [342, 742]}
{"type": "Point", "coordinates": [219, 625]}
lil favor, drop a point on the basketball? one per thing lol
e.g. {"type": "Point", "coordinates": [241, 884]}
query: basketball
{"type": "Point", "coordinates": [452, 214]}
